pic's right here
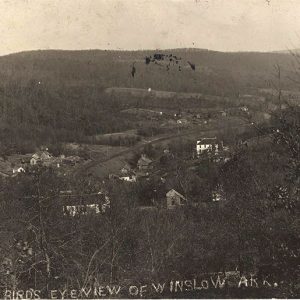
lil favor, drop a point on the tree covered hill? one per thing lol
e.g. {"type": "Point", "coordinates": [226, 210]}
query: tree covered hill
{"type": "Point", "coordinates": [215, 72]}
{"type": "Point", "coordinates": [55, 96]}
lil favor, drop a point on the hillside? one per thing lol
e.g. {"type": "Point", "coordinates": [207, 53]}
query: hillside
{"type": "Point", "coordinates": [215, 72]}
{"type": "Point", "coordinates": [214, 200]}
{"type": "Point", "coordinates": [53, 96]}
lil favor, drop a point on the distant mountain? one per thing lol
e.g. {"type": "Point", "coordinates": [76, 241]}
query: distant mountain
{"type": "Point", "coordinates": [215, 72]}
{"type": "Point", "coordinates": [288, 51]}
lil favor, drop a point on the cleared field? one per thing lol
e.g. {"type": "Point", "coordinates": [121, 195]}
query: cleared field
{"type": "Point", "coordinates": [123, 133]}
{"type": "Point", "coordinates": [126, 133]}
{"type": "Point", "coordinates": [111, 166]}
{"type": "Point", "coordinates": [124, 138]}
{"type": "Point", "coordinates": [153, 93]}
{"type": "Point", "coordinates": [103, 151]}
{"type": "Point", "coordinates": [142, 111]}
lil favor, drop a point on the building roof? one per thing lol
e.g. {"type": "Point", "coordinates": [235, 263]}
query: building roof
{"type": "Point", "coordinates": [41, 154]}
{"type": "Point", "coordinates": [207, 141]}
{"type": "Point", "coordinates": [144, 160]}
{"type": "Point", "coordinates": [172, 192]}
{"type": "Point", "coordinates": [126, 167]}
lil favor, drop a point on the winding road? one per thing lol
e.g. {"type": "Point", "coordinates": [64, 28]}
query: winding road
{"type": "Point", "coordinates": [86, 168]}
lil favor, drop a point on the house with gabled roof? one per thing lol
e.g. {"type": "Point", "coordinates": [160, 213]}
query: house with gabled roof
{"type": "Point", "coordinates": [17, 170]}
{"type": "Point", "coordinates": [128, 178]}
{"type": "Point", "coordinates": [209, 145]}
{"type": "Point", "coordinates": [95, 203]}
{"type": "Point", "coordinates": [144, 163]}
{"type": "Point", "coordinates": [175, 199]}
{"type": "Point", "coordinates": [40, 157]}
{"type": "Point", "coordinates": [126, 169]}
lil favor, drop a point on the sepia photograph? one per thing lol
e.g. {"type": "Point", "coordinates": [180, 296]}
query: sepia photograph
{"type": "Point", "coordinates": [149, 149]}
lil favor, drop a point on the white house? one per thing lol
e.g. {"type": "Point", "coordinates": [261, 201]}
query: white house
{"type": "Point", "coordinates": [73, 210]}
{"type": "Point", "coordinates": [216, 196]}
{"type": "Point", "coordinates": [182, 121]}
{"type": "Point", "coordinates": [18, 170]}
{"type": "Point", "coordinates": [128, 178]}
{"type": "Point", "coordinates": [244, 108]}
{"type": "Point", "coordinates": [207, 145]}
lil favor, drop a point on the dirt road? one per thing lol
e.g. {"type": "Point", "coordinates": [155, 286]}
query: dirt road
{"type": "Point", "coordinates": [86, 168]}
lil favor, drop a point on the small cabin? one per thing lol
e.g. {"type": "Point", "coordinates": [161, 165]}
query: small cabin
{"type": "Point", "coordinates": [144, 163]}
{"type": "Point", "coordinates": [175, 199]}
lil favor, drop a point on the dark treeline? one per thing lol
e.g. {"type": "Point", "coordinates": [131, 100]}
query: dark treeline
{"type": "Point", "coordinates": [37, 114]}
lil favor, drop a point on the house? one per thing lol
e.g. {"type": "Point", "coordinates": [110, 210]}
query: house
{"type": "Point", "coordinates": [166, 151]}
{"type": "Point", "coordinates": [57, 162]}
{"type": "Point", "coordinates": [66, 192]}
{"type": "Point", "coordinates": [106, 203]}
{"type": "Point", "coordinates": [46, 159]}
{"type": "Point", "coordinates": [244, 109]}
{"type": "Point", "coordinates": [175, 199]}
{"type": "Point", "coordinates": [34, 160]}
{"type": "Point", "coordinates": [73, 210]}
{"type": "Point", "coordinates": [113, 176]}
{"type": "Point", "coordinates": [177, 115]}
{"type": "Point", "coordinates": [127, 174]}
{"type": "Point", "coordinates": [144, 163]}
{"type": "Point", "coordinates": [128, 178]}
{"type": "Point", "coordinates": [94, 205]}
{"type": "Point", "coordinates": [207, 145]}
{"type": "Point", "coordinates": [217, 195]}
{"type": "Point", "coordinates": [126, 169]}
{"type": "Point", "coordinates": [182, 121]}
{"type": "Point", "coordinates": [71, 160]}
{"type": "Point", "coordinates": [40, 157]}
{"type": "Point", "coordinates": [163, 180]}
{"type": "Point", "coordinates": [18, 170]}
{"type": "Point", "coordinates": [51, 162]}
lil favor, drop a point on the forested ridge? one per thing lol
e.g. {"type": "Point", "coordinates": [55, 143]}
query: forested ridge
{"type": "Point", "coordinates": [52, 96]}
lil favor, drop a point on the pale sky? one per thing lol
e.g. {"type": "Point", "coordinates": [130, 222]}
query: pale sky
{"type": "Point", "coordinates": [224, 25]}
